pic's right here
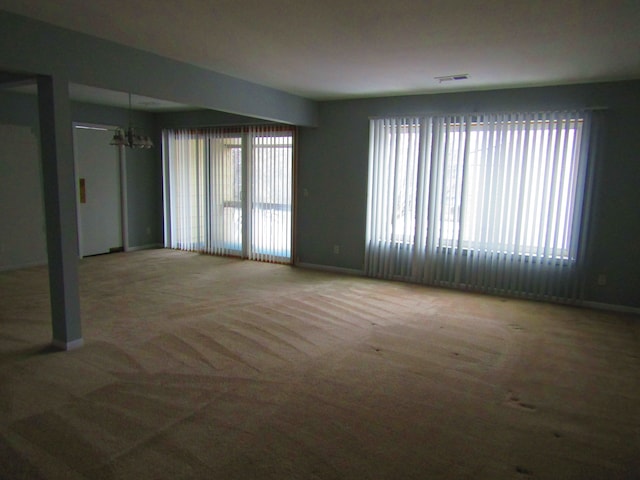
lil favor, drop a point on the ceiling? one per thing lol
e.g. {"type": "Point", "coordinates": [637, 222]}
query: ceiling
{"type": "Point", "coordinates": [332, 49]}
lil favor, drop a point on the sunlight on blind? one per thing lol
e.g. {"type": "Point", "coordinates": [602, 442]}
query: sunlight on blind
{"type": "Point", "coordinates": [229, 192]}
{"type": "Point", "coordinates": [491, 202]}
{"type": "Point", "coordinates": [271, 189]}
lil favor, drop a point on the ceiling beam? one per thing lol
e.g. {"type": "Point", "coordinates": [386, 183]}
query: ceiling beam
{"type": "Point", "coordinates": [33, 46]}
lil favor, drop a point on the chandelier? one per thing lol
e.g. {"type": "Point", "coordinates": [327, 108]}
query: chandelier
{"type": "Point", "coordinates": [128, 137]}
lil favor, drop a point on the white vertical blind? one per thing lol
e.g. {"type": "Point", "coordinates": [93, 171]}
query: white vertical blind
{"type": "Point", "coordinates": [228, 192]}
{"type": "Point", "coordinates": [202, 191]}
{"type": "Point", "coordinates": [184, 160]}
{"type": "Point", "coordinates": [489, 202]}
{"type": "Point", "coordinates": [271, 167]}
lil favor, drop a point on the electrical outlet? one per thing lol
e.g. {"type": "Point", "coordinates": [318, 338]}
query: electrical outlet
{"type": "Point", "coordinates": [336, 249]}
{"type": "Point", "coordinates": [602, 279]}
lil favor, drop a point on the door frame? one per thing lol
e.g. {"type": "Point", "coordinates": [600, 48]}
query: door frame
{"type": "Point", "coordinates": [122, 163]}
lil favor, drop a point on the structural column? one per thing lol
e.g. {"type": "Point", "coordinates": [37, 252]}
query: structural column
{"type": "Point", "coordinates": [60, 210]}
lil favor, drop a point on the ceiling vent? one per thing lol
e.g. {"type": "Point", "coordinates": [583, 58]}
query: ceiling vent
{"type": "Point", "coordinates": [451, 78]}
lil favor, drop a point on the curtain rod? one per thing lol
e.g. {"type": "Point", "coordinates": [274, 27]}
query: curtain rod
{"type": "Point", "coordinates": [488, 112]}
{"type": "Point", "coordinates": [235, 128]}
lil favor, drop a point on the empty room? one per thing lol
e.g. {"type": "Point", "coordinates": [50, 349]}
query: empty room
{"type": "Point", "coordinates": [319, 239]}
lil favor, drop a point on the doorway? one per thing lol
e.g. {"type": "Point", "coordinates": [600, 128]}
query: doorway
{"type": "Point", "coordinates": [99, 183]}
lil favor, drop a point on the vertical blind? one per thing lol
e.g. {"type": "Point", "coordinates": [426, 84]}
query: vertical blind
{"type": "Point", "coordinates": [486, 201]}
{"type": "Point", "coordinates": [269, 194]}
{"type": "Point", "coordinates": [228, 192]}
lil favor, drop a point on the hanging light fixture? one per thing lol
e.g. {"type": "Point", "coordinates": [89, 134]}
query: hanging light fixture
{"type": "Point", "coordinates": [129, 137]}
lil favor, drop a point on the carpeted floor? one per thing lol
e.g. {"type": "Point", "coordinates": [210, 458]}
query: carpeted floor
{"type": "Point", "coordinates": [214, 368]}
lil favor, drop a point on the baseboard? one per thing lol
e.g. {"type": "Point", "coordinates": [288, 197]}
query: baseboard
{"type": "Point", "coordinates": [611, 307]}
{"type": "Point", "coordinates": [72, 345]}
{"type": "Point", "coordinates": [329, 268]}
{"type": "Point", "coordinates": [587, 304]}
{"type": "Point", "coordinates": [6, 268]}
{"type": "Point", "coordinates": [150, 246]}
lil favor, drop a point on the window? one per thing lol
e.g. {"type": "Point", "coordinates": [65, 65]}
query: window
{"type": "Point", "coordinates": [229, 192]}
{"type": "Point", "coordinates": [484, 201]}
{"type": "Point", "coordinates": [271, 195]}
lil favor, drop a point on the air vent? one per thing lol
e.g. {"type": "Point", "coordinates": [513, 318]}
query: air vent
{"type": "Point", "coordinates": [451, 78]}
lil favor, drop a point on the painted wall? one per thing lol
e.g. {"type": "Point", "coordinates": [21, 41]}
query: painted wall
{"type": "Point", "coordinates": [22, 237]}
{"type": "Point", "coordinates": [333, 162]}
{"type": "Point", "coordinates": [202, 118]}
{"type": "Point", "coordinates": [144, 181]}
{"type": "Point", "coordinates": [31, 46]}
{"type": "Point", "coordinates": [144, 174]}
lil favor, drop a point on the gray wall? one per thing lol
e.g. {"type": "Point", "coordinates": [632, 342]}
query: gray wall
{"type": "Point", "coordinates": [144, 181]}
{"type": "Point", "coordinates": [23, 240]}
{"type": "Point", "coordinates": [203, 118]}
{"type": "Point", "coordinates": [333, 160]}
{"type": "Point", "coordinates": [31, 46]}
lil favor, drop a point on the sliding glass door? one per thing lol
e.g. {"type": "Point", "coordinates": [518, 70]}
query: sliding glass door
{"type": "Point", "coordinates": [229, 192]}
{"type": "Point", "coordinates": [226, 194]}
{"type": "Point", "coordinates": [269, 230]}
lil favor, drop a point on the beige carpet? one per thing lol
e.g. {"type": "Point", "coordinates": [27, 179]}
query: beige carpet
{"type": "Point", "coordinates": [214, 368]}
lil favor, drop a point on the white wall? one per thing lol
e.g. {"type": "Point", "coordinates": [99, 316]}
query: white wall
{"type": "Point", "coordinates": [22, 225]}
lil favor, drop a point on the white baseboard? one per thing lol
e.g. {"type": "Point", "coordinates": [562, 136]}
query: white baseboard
{"type": "Point", "coordinates": [72, 345]}
{"type": "Point", "coordinates": [329, 268]}
{"type": "Point", "coordinates": [610, 307]}
{"type": "Point", "coordinates": [150, 246]}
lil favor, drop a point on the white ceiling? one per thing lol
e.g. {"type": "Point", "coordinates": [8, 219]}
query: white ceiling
{"type": "Point", "coordinates": [328, 49]}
